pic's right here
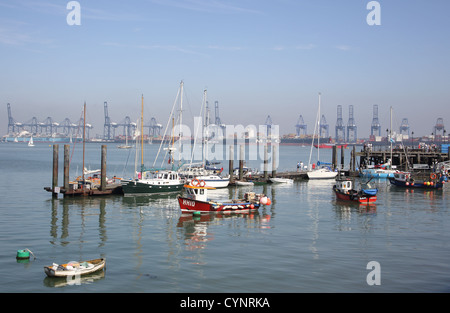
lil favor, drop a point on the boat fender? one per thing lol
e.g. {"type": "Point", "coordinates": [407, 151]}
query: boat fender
{"type": "Point", "coordinates": [263, 200]}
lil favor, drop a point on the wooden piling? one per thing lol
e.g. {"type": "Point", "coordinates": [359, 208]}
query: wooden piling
{"type": "Point", "coordinates": [66, 166]}
{"type": "Point", "coordinates": [241, 162]}
{"type": "Point", "coordinates": [274, 160]}
{"type": "Point", "coordinates": [55, 171]}
{"type": "Point", "coordinates": [230, 163]}
{"type": "Point", "coordinates": [265, 162]}
{"type": "Point", "coordinates": [353, 165]}
{"type": "Point", "coordinates": [342, 157]}
{"type": "Point", "coordinates": [334, 158]}
{"type": "Point", "coordinates": [103, 169]}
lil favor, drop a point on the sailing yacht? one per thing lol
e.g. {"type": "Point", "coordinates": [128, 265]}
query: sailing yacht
{"type": "Point", "coordinates": [151, 181]}
{"type": "Point", "coordinates": [320, 171]}
{"type": "Point", "coordinates": [201, 171]}
{"type": "Point", "coordinates": [126, 145]}
{"type": "Point", "coordinates": [31, 143]}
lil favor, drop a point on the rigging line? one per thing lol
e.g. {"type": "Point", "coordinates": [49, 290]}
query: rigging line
{"type": "Point", "coordinates": [196, 133]}
{"type": "Point", "coordinates": [167, 126]}
{"type": "Point", "coordinates": [126, 163]}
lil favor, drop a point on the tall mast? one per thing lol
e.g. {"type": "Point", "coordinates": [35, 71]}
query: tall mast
{"type": "Point", "coordinates": [84, 140]}
{"type": "Point", "coordinates": [318, 127]}
{"type": "Point", "coordinates": [142, 135]}
{"type": "Point", "coordinates": [390, 137]}
{"type": "Point", "coordinates": [181, 121]}
{"type": "Point", "coordinates": [205, 132]}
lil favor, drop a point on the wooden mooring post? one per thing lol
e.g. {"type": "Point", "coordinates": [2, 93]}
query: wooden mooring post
{"type": "Point", "coordinates": [55, 171]}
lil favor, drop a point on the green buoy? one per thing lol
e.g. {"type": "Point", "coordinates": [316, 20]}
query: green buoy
{"type": "Point", "coordinates": [196, 213]}
{"type": "Point", "coordinates": [23, 254]}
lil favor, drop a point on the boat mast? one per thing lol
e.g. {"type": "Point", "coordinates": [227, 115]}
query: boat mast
{"type": "Point", "coordinates": [205, 132]}
{"type": "Point", "coordinates": [318, 132]}
{"type": "Point", "coordinates": [390, 138]}
{"type": "Point", "coordinates": [142, 135]}
{"type": "Point", "coordinates": [181, 120]}
{"type": "Point", "coordinates": [84, 140]}
{"type": "Point", "coordinates": [314, 134]}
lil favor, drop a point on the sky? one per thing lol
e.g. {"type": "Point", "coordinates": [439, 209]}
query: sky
{"type": "Point", "coordinates": [257, 58]}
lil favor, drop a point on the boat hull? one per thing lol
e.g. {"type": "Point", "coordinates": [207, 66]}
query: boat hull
{"type": "Point", "coordinates": [214, 182]}
{"type": "Point", "coordinates": [321, 174]}
{"type": "Point", "coordinates": [98, 264]}
{"type": "Point", "coordinates": [416, 184]}
{"type": "Point", "coordinates": [191, 205]}
{"type": "Point", "coordinates": [136, 187]}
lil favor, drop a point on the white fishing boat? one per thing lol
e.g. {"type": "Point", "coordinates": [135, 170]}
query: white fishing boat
{"type": "Point", "coordinates": [321, 171]}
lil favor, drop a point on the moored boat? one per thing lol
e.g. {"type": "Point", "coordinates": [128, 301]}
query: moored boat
{"type": "Point", "coordinates": [243, 183]}
{"type": "Point", "coordinates": [75, 268]}
{"type": "Point", "coordinates": [322, 173]}
{"type": "Point", "coordinates": [158, 182]}
{"type": "Point", "coordinates": [411, 180]}
{"type": "Point", "coordinates": [196, 200]}
{"type": "Point", "coordinates": [281, 180]}
{"type": "Point", "coordinates": [344, 191]}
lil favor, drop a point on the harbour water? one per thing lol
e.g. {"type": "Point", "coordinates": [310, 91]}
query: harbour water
{"type": "Point", "coordinates": [305, 241]}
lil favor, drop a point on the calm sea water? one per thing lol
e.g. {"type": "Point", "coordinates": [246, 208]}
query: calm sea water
{"type": "Point", "coordinates": [305, 241]}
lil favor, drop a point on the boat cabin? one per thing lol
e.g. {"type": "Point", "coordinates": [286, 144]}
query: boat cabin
{"type": "Point", "coordinates": [344, 185]}
{"type": "Point", "coordinates": [196, 193]}
{"type": "Point", "coordinates": [402, 176]}
{"type": "Point", "coordinates": [162, 176]}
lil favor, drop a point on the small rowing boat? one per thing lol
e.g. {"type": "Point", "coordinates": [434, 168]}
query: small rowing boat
{"type": "Point", "coordinates": [75, 268]}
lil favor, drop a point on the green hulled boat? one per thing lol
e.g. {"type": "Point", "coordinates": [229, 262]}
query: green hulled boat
{"type": "Point", "coordinates": [158, 182]}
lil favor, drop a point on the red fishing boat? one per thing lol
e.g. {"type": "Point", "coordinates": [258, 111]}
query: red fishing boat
{"type": "Point", "coordinates": [196, 200]}
{"type": "Point", "coordinates": [344, 191]}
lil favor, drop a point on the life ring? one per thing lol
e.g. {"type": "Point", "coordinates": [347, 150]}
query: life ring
{"type": "Point", "coordinates": [202, 183]}
{"type": "Point", "coordinates": [195, 182]}
{"type": "Point", "coordinates": [433, 176]}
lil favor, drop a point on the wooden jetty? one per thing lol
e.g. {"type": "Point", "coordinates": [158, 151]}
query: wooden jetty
{"type": "Point", "coordinates": [404, 158]}
{"type": "Point", "coordinates": [82, 187]}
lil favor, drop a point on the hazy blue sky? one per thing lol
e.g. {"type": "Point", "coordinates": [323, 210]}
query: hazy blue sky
{"type": "Point", "coordinates": [256, 57]}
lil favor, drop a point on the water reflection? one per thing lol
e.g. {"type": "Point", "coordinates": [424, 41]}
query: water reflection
{"type": "Point", "coordinates": [196, 229]}
{"type": "Point", "coordinates": [85, 206]}
{"type": "Point", "coordinates": [57, 282]}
